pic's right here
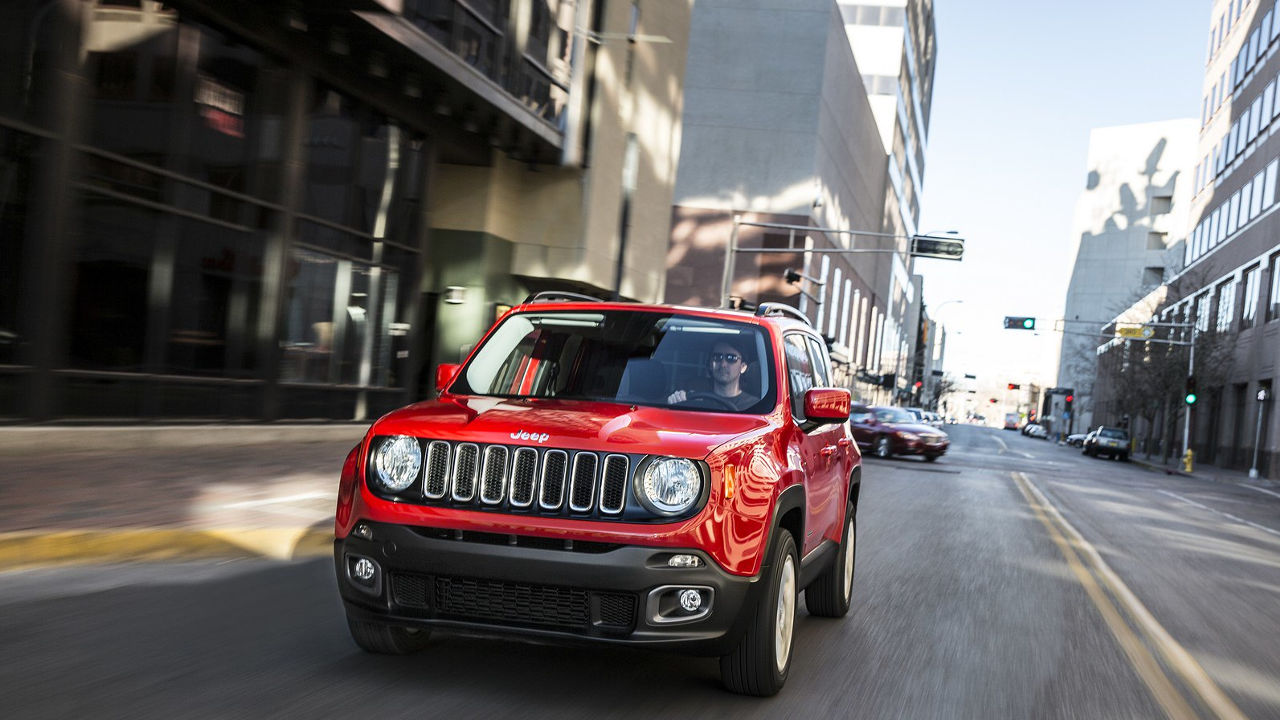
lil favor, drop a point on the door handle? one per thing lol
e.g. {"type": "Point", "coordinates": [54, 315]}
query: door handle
{"type": "Point", "coordinates": [827, 451]}
{"type": "Point", "coordinates": [844, 442]}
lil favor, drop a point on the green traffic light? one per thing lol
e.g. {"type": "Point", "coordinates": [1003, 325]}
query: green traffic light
{"type": "Point", "coordinates": [1028, 323]}
{"type": "Point", "coordinates": [1191, 398]}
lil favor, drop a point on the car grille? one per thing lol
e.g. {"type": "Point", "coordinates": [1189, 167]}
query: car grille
{"type": "Point", "coordinates": [519, 478]}
{"type": "Point", "coordinates": [509, 603]}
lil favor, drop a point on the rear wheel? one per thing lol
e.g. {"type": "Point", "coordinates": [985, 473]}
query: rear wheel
{"type": "Point", "coordinates": [759, 665]}
{"type": "Point", "coordinates": [383, 639]}
{"type": "Point", "coordinates": [829, 595]}
{"type": "Point", "coordinates": [883, 448]}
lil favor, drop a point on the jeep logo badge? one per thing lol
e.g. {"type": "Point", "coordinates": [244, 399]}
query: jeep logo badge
{"type": "Point", "coordinates": [526, 435]}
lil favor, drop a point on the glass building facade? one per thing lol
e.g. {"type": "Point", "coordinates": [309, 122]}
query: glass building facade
{"type": "Point", "coordinates": [200, 224]}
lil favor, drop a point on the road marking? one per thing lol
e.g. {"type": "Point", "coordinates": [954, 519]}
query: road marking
{"type": "Point", "coordinates": [280, 499]}
{"type": "Point", "coordinates": [1175, 656]}
{"type": "Point", "coordinates": [1003, 448]}
{"type": "Point", "coordinates": [1275, 494]}
{"type": "Point", "coordinates": [1189, 501]}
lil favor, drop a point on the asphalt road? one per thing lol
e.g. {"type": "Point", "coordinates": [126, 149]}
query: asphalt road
{"type": "Point", "coordinates": [1011, 579]}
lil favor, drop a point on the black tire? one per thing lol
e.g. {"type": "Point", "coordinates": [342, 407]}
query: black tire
{"type": "Point", "coordinates": [383, 639]}
{"type": "Point", "coordinates": [830, 594]}
{"type": "Point", "coordinates": [1124, 457]}
{"type": "Point", "coordinates": [752, 668]}
{"type": "Point", "coordinates": [884, 447]}
{"type": "Point", "coordinates": [931, 458]}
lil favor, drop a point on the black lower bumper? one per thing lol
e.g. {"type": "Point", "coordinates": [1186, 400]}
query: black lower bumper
{"type": "Point", "coordinates": [623, 594]}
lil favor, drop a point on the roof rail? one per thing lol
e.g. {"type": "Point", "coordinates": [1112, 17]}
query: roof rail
{"type": "Point", "coordinates": [776, 308]}
{"type": "Point", "coordinates": [552, 295]}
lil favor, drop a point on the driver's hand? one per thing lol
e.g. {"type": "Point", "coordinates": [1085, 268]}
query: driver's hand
{"type": "Point", "coordinates": [676, 397]}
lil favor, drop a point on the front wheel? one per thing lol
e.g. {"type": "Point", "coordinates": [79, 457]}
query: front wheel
{"type": "Point", "coordinates": [931, 458]}
{"type": "Point", "coordinates": [383, 639]}
{"type": "Point", "coordinates": [829, 595]}
{"type": "Point", "coordinates": [883, 448]}
{"type": "Point", "coordinates": [759, 665]}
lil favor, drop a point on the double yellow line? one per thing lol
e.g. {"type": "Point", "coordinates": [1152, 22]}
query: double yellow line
{"type": "Point", "coordinates": [1135, 629]}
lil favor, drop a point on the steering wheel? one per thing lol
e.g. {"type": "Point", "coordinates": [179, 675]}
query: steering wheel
{"type": "Point", "coordinates": [695, 395]}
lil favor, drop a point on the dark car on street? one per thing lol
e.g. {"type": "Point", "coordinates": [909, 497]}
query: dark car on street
{"type": "Point", "coordinates": [889, 431]}
{"type": "Point", "coordinates": [1113, 442]}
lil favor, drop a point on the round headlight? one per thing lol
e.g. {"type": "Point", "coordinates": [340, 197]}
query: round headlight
{"type": "Point", "coordinates": [397, 462]}
{"type": "Point", "coordinates": [670, 485]}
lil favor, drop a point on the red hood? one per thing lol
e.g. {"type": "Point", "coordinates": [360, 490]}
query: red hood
{"type": "Point", "coordinates": [571, 424]}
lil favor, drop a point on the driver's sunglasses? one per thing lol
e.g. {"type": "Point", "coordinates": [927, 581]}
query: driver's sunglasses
{"type": "Point", "coordinates": [729, 358]}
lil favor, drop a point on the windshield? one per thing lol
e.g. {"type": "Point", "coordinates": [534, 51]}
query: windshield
{"type": "Point", "coordinates": [641, 358]}
{"type": "Point", "coordinates": [894, 415]}
{"type": "Point", "coordinates": [1113, 433]}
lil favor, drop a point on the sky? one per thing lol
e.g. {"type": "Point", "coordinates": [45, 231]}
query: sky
{"type": "Point", "coordinates": [1017, 89]}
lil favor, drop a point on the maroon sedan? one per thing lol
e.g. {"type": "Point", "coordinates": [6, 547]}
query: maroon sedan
{"type": "Point", "coordinates": [889, 431]}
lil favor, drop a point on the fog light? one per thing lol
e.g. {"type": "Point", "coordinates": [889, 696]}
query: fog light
{"type": "Point", "coordinates": [690, 600]}
{"type": "Point", "coordinates": [684, 561]}
{"type": "Point", "coordinates": [363, 530]}
{"type": "Point", "coordinates": [364, 571]}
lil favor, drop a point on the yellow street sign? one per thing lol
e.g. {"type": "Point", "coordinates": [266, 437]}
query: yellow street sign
{"type": "Point", "coordinates": [1141, 332]}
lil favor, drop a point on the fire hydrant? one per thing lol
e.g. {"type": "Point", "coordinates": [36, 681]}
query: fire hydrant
{"type": "Point", "coordinates": [1187, 458]}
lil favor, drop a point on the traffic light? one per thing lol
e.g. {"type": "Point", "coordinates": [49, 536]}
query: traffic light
{"type": "Point", "coordinates": [1019, 323]}
{"type": "Point", "coordinates": [1191, 390]}
{"type": "Point", "coordinates": [993, 401]}
{"type": "Point", "coordinates": [1015, 386]}
{"type": "Point", "coordinates": [919, 384]}
{"type": "Point", "coordinates": [1067, 402]}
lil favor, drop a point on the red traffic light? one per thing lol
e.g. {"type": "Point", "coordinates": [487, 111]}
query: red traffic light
{"type": "Point", "coordinates": [993, 401]}
{"type": "Point", "coordinates": [919, 383]}
{"type": "Point", "coordinates": [1070, 398]}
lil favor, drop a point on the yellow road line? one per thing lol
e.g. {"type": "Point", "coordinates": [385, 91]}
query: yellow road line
{"type": "Point", "coordinates": [32, 549]}
{"type": "Point", "coordinates": [1175, 656]}
{"type": "Point", "coordinates": [1144, 663]}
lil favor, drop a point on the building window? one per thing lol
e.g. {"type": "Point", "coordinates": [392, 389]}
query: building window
{"type": "Point", "coordinates": [1255, 198]}
{"type": "Point", "coordinates": [1273, 299]}
{"type": "Point", "coordinates": [1269, 185]}
{"type": "Point", "coordinates": [1246, 199]}
{"type": "Point", "coordinates": [1155, 240]}
{"type": "Point", "coordinates": [1226, 305]}
{"type": "Point", "coordinates": [1249, 300]}
{"type": "Point", "coordinates": [1202, 312]}
{"type": "Point", "coordinates": [1152, 276]}
{"type": "Point", "coordinates": [1161, 204]}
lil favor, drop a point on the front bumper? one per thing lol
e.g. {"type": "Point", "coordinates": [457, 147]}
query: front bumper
{"type": "Point", "coordinates": [483, 582]}
{"type": "Point", "coordinates": [920, 447]}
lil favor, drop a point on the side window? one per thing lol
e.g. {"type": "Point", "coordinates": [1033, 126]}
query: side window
{"type": "Point", "coordinates": [799, 371]}
{"type": "Point", "coordinates": [821, 364]}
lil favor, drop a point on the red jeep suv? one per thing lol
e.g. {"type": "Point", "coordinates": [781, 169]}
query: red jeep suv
{"type": "Point", "coordinates": [655, 476]}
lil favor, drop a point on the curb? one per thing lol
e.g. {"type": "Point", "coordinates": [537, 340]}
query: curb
{"type": "Point", "coordinates": [1160, 468]}
{"type": "Point", "coordinates": [24, 550]}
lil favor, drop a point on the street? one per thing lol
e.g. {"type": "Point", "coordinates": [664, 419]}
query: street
{"type": "Point", "coordinates": [1013, 578]}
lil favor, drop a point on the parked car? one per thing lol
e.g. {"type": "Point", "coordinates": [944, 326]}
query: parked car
{"type": "Point", "coordinates": [1112, 441]}
{"type": "Point", "coordinates": [1076, 440]}
{"type": "Point", "coordinates": [1036, 431]}
{"type": "Point", "coordinates": [613, 473]}
{"type": "Point", "coordinates": [933, 419]}
{"type": "Point", "coordinates": [889, 431]}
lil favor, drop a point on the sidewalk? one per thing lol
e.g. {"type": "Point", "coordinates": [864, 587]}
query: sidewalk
{"type": "Point", "coordinates": [123, 494]}
{"type": "Point", "coordinates": [1206, 472]}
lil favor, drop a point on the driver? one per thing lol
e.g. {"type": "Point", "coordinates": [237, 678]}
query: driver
{"type": "Point", "coordinates": [728, 365]}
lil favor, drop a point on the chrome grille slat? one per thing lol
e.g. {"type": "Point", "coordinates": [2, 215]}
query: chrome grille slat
{"type": "Point", "coordinates": [465, 465]}
{"type": "Point", "coordinates": [582, 490]}
{"type": "Point", "coordinates": [555, 466]}
{"type": "Point", "coordinates": [493, 482]}
{"type": "Point", "coordinates": [613, 484]}
{"type": "Point", "coordinates": [436, 474]}
{"type": "Point", "coordinates": [524, 477]}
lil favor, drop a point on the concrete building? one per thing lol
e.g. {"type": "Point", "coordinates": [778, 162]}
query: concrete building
{"type": "Point", "coordinates": [1132, 211]}
{"type": "Point", "coordinates": [260, 210]}
{"type": "Point", "coordinates": [1229, 281]}
{"type": "Point", "coordinates": [791, 138]}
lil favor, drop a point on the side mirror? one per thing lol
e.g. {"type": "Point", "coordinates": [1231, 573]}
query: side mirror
{"type": "Point", "coordinates": [445, 372]}
{"type": "Point", "coordinates": [827, 405]}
